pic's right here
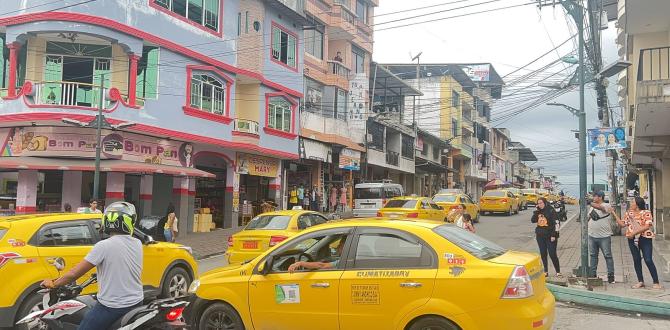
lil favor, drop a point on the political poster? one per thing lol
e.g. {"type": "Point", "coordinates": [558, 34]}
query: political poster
{"type": "Point", "coordinates": [607, 138]}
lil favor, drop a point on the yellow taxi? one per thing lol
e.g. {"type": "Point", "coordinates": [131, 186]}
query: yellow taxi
{"type": "Point", "coordinates": [531, 196]}
{"type": "Point", "coordinates": [266, 230]}
{"type": "Point", "coordinates": [450, 201]}
{"type": "Point", "coordinates": [412, 207]}
{"type": "Point", "coordinates": [383, 274]}
{"type": "Point", "coordinates": [520, 198]}
{"type": "Point", "coordinates": [499, 200]}
{"type": "Point", "coordinates": [29, 242]}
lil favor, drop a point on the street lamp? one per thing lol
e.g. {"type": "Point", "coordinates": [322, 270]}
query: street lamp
{"type": "Point", "coordinates": [593, 169]}
{"type": "Point", "coordinates": [99, 122]}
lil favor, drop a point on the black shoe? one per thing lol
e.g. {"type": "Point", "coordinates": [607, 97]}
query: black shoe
{"type": "Point", "coordinates": [610, 279]}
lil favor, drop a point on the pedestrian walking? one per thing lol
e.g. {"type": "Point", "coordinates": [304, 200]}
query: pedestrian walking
{"type": "Point", "coordinates": [313, 197]}
{"type": "Point", "coordinates": [301, 194]}
{"type": "Point", "coordinates": [333, 198]}
{"type": "Point", "coordinates": [600, 235]}
{"type": "Point", "coordinates": [92, 207]}
{"type": "Point", "coordinates": [546, 234]}
{"type": "Point", "coordinates": [169, 229]}
{"type": "Point", "coordinates": [292, 197]}
{"type": "Point", "coordinates": [306, 200]}
{"type": "Point", "coordinates": [639, 222]}
{"type": "Point", "coordinates": [455, 216]}
{"type": "Point", "coordinates": [67, 207]}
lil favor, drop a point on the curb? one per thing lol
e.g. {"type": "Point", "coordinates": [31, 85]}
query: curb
{"type": "Point", "coordinates": [208, 256]}
{"type": "Point", "coordinates": [602, 300]}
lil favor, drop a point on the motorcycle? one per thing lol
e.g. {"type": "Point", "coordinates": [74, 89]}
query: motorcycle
{"type": "Point", "coordinates": [562, 213]}
{"type": "Point", "coordinates": [63, 308]}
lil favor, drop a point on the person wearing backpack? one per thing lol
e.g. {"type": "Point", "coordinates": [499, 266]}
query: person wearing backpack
{"type": "Point", "coordinates": [600, 235]}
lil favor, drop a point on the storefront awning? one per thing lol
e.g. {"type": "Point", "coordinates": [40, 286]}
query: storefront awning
{"type": "Point", "coordinates": [428, 166]}
{"type": "Point", "coordinates": [106, 165]}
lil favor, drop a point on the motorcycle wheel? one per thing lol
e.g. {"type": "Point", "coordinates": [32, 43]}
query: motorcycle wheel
{"type": "Point", "coordinates": [220, 316]}
{"type": "Point", "coordinates": [30, 304]}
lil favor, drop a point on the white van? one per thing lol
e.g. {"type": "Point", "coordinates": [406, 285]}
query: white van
{"type": "Point", "coordinates": [370, 197]}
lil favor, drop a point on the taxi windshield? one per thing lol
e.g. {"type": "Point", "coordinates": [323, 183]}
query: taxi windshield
{"type": "Point", "coordinates": [444, 198]}
{"type": "Point", "coordinates": [401, 203]}
{"type": "Point", "coordinates": [528, 191]}
{"type": "Point", "coordinates": [269, 222]}
{"type": "Point", "coordinates": [495, 193]}
{"type": "Point", "coordinates": [473, 244]}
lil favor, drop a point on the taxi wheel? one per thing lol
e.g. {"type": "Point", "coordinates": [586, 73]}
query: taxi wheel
{"type": "Point", "coordinates": [176, 283]}
{"type": "Point", "coordinates": [476, 220]}
{"type": "Point", "coordinates": [433, 323]}
{"type": "Point", "coordinates": [31, 304]}
{"type": "Point", "coordinates": [220, 316]}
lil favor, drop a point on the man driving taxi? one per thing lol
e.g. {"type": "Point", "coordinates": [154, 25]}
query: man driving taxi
{"type": "Point", "coordinates": [317, 265]}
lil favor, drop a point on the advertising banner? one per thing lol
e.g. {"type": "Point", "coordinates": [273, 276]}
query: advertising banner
{"type": "Point", "coordinates": [350, 160]}
{"type": "Point", "coordinates": [477, 72]}
{"type": "Point", "coordinates": [257, 165]}
{"type": "Point", "coordinates": [607, 138]}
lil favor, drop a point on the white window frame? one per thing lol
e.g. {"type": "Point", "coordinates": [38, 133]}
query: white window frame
{"type": "Point", "coordinates": [217, 94]}
{"type": "Point", "coordinates": [168, 4]}
{"type": "Point", "coordinates": [285, 109]}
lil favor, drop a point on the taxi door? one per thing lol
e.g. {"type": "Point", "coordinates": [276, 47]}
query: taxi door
{"type": "Point", "coordinates": [304, 300]}
{"type": "Point", "coordinates": [70, 240]}
{"type": "Point", "coordinates": [388, 274]}
{"type": "Point", "coordinates": [470, 207]}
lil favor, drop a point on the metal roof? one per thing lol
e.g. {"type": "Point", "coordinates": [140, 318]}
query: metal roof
{"type": "Point", "coordinates": [385, 79]}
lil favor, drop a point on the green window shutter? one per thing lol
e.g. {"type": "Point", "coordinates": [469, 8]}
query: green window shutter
{"type": "Point", "coordinates": [276, 43]}
{"type": "Point", "coordinates": [211, 19]}
{"type": "Point", "coordinates": [271, 116]}
{"type": "Point", "coordinates": [100, 67]}
{"type": "Point", "coordinates": [147, 75]}
{"type": "Point", "coordinates": [4, 62]}
{"type": "Point", "coordinates": [287, 119]}
{"type": "Point", "coordinates": [290, 59]}
{"type": "Point", "coordinates": [53, 74]}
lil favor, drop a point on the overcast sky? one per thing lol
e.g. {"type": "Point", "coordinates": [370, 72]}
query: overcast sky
{"type": "Point", "coordinates": [508, 39]}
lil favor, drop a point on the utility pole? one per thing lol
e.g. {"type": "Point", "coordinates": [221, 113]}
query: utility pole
{"type": "Point", "coordinates": [576, 11]}
{"type": "Point", "coordinates": [593, 169]}
{"type": "Point", "coordinates": [418, 87]}
{"type": "Point", "coordinates": [98, 133]}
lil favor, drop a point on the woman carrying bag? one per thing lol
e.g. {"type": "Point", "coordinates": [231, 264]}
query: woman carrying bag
{"type": "Point", "coordinates": [546, 234]}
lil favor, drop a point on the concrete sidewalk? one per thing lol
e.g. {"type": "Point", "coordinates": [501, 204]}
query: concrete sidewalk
{"type": "Point", "coordinates": [619, 295]}
{"type": "Point", "coordinates": [205, 245]}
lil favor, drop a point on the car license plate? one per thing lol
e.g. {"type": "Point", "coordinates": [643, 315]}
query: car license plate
{"type": "Point", "coordinates": [367, 206]}
{"type": "Point", "coordinates": [250, 245]}
{"type": "Point", "coordinates": [394, 215]}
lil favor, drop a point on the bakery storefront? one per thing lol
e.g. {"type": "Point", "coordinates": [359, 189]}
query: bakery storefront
{"type": "Point", "coordinates": [259, 185]}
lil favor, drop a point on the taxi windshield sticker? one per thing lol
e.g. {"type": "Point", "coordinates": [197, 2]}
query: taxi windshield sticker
{"type": "Point", "coordinates": [455, 259]}
{"type": "Point", "coordinates": [367, 294]}
{"type": "Point", "coordinates": [287, 294]}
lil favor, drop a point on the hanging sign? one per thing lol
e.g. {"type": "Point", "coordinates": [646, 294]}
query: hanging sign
{"type": "Point", "coordinates": [607, 138]}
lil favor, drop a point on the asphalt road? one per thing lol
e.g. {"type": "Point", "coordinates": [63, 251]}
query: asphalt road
{"type": "Point", "coordinates": [517, 233]}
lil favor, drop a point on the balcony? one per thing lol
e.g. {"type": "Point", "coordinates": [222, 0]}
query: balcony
{"type": "Point", "coordinates": [342, 23]}
{"type": "Point", "coordinates": [296, 5]}
{"type": "Point", "coordinates": [295, 9]}
{"type": "Point", "coordinates": [466, 123]}
{"type": "Point", "coordinates": [392, 158]}
{"type": "Point", "coordinates": [337, 75]}
{"type": "Point", "coordinates": [246, 127]}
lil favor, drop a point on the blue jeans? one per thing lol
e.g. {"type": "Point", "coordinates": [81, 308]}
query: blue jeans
{"type": "Point", "coordinates": [102, 317]}
{"type": "Point", "coordinates": [168, 235]}
{"type": "Point", "coordinates": [604, 244]}
{"type": "Point", "coordinates": [644, 245]}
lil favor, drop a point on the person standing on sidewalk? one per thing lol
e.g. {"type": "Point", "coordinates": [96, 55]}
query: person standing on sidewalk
{"type": "Point", "coordinates": [639, 221]}
{"type": "Point", "coordinates": [546, 234]}
{"type": "Point", "coordinates": [292, 197]}
{"type": "Point", "coordinates": [600, 235]}
{"type": "Point", "coordinates": [343, 198]}
{"type": "Point", "coordinates": [301, 194]}
{"type": "Point", "coordinates": [313, 199]}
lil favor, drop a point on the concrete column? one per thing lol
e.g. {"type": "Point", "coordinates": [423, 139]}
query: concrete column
{"type": "Point", "coordinates": [146, 194]}
{"type": "Point", "coordinates": [13, 64]}
{"type": "Point", "coordinates": [132, 79]}
{"type": "Point", "coordinates": [180, 196]}
{"type": "Point", "coordinates": [116, 184]}
{"type": "Point", "coordinates": [232, 199]}
{"type": "Point", "coordinates": [26, 192]}
{"type": "Point", "coordinates": [664, 197]}
{"type": "Point", "coordinates": [276, 184]}
{"type": "Point", "coordinates": [72, 189]}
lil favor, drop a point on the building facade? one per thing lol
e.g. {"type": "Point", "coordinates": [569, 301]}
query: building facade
{"type": "Point", "coordinates": [202, 98]}
{"type": "Point", "coordinates": [643, 38]}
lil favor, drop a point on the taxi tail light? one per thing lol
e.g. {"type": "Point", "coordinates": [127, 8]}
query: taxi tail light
{"type": "Point", "coordinates": [379, 214]}
{"type": "Point", "coordinates": [274, 240]}
{"type": "Point", "coordinates": [504, 200]}
{"type": "Point", "coordinates": [174, 314]}
{"type": "Point", "coordinates": [454, 207]}
{"type": "Point", "coordinates": [413, 215]}
{"type": "Point", "coordinates": [383, 202]}
{"type": "Point", "coordinates": [230, 241]}
{"type": "Point", "coordinates": [519, 284]}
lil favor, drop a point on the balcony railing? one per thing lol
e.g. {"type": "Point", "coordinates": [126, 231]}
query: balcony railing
{"type": "Point", "coordinates": [348, 16]}
{"type": "Point", "coordinates": [246, 126]}
{"type": "Point", "coordinates": [392, 158]}
{"type": "Point", "coordinates": [337, 68]}
{"type": "Point", "coordinates": [297, 5]}
{"type": "Point", "coordinates": [654, 64]}
{"type": "Point", "coordinates": [66, 93]}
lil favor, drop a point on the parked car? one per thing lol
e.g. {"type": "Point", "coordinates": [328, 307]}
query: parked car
{"type": "Point", "coordinates": [449, 201]}
{"type": "Point", "coordinates": [29, 242]}
{"type": "Point", "coordinates": [520, 197]}
{"type": "Point", "coordinates": [266, 230]}
{"type": "Point", "coordinates": [531, 196]}
{"type": "Point", "coordinates": [498, 200]}
{"type": "Point", "coordinates": [372, 196]}
{"type": "Point", "coordinates": [153, 225]}
{"type": "Point", "coordinates": [422, 208]}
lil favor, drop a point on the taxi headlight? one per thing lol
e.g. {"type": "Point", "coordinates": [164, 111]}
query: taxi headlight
{"type": "Point", "coordinates": [194, 286]}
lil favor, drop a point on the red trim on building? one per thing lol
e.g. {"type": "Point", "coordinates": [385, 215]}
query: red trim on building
{"type": "Point", "coordinates": [194, 112]}
{"type": "Point", "coordinates": [191, 192]}
{"type": "Point", "coordinates": [146, 197]}
{"type": "Point", "coordinates": [164, 43]}
{"type": "Point", "coordinates": [294, 107]}
{"type": "Point", "coordinates": [115, 194]}
{"type": "Point", "coordinates": [180, 191]}
{"type": "Point", "coordinates": [246, 134]}
{"type": "Point", "coordinates": [13, 62]}
{"type": "Point", "coordinates": [297, 46]}
{"type": "Point", "coordinates": [147, 129]}
{"type": "Point", "coordinates": [274, 186]}
{"type": "Point", "coordinates": [228, 81]}
{"type": "Point", "coordinates": [26, 209]}
{"type": "Point", "coordinates": [219, 33]}
{"type": "Point", "coordinates": [132, 79]}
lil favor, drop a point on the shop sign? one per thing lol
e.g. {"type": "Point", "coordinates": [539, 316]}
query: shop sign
{"type": "Point", "coordinates": [78, 142]}
{"type": "Point", "coordinates": [315, 150]}
{"type": "Point", "coordinates": [257, 165]}
{"type": "Point", "coordinates": [350, 160]}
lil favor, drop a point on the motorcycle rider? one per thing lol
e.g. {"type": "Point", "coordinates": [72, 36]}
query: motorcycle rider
{"type": "Point", "coordinates": [119, 267]}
